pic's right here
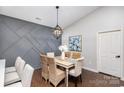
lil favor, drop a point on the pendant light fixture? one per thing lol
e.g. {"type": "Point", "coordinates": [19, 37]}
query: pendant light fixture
{"type": "Point", "coordinates": [57, 30]}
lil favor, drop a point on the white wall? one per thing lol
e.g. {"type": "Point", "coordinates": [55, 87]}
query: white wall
{"type": "Point", "coordinates": [103, 19]}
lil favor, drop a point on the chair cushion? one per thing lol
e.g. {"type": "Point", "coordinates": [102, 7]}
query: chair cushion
{"type": "Point", "coordinates": [18, 84]}
{"type": "Point", "coordinates": [13, 68]}
{"type": "Point", "coordinates": [72, 72]}
{"type": "Point", "coordinates": [11, 78]}
{"type": "Point", "coordinates": [10, 69]}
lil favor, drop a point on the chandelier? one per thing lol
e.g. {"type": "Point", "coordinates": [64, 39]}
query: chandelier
{"type": "Point", "coordinates": [57, 30]}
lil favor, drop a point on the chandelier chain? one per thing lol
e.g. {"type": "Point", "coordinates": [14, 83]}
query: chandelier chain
{"type": "Point", "coordinates": [57, 7]}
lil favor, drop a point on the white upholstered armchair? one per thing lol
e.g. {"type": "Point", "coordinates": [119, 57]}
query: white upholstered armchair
{"type": "Point", "coordinates": [77, 70]}
{"type": "Point", "coordinates": [26, 77]}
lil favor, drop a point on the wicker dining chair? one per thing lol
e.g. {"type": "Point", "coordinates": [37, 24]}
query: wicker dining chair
{"type": "Point", "coordinates": [50, 54]}
{"type": "Point", "coordinates": [55, 75]}
{"type": "Point", "coordinates": [44, 64]}
{"type": "Point", "coordinates": [68, 54]}
{"type": "Point", "coordinates": [75, 55]}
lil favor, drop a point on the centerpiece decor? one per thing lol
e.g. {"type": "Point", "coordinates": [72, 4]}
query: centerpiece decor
{"type": "Point", "coordinates": [63, 49]}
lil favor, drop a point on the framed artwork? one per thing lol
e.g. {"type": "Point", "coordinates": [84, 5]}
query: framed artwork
{"type": "Point", "coordinates": [75, 43]}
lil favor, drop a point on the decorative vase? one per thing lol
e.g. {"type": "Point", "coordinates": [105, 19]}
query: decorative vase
{"type": "Point", "coordinates": [63, 55]}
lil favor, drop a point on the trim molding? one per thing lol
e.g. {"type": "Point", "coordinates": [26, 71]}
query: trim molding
{"type": "Point", "coordinates": [90, 69]}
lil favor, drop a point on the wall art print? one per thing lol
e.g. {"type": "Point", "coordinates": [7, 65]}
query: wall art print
{"type": "Point", "coordinates": [75, 43]}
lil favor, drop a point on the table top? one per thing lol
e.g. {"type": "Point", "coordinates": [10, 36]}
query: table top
{"type": "Point", "coordinates": [64, 63]}
{"type": "Point", "coordinates": [67, 62]}
{"type": "Point", "coordinates": [2, 72]}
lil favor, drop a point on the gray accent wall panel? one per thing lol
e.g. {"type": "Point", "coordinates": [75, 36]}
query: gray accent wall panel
{"type": "Point", "coordinates": [25, 39]}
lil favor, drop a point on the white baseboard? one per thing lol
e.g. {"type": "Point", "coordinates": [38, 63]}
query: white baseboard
{"type": "Point", "coordinates": [90, 69]}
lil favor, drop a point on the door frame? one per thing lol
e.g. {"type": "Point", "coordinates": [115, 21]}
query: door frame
{"type": "Point", "coordinates": [121, 54]}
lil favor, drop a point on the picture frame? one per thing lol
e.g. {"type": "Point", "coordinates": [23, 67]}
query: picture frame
{"type": "Point", "coordinates": [75, 43]}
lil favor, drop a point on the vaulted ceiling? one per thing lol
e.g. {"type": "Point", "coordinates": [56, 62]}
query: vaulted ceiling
{"type": "Point", "coordinates": [46, 15]}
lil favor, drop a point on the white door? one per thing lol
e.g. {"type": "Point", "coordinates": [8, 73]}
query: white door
{"type": "Point", "coordinates": [109, 53]}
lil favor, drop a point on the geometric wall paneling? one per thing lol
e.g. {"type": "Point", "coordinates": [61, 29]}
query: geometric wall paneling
{"type": "Point", "coordinates": [51, 44]}
{"type": "Point", "coordinates": [6, 36]}
{"type": "Point", "coordinates": [54, 46]}
{"type": "Point", "coordinates": [18, 49]}
{"type": "Point", "coordinates": [12, 23]}
{"type": "Point", "coordinates": [44, 44]}
{"type": "Point", "coordinates": [26, 29]}
{"type": "Point", "coordinates": [25, 39]}
{"type": "Point", "coordinates": [40, 40]}
{"type": "Point", "coordinates": [32, 58]}
{"type": "Point", "coordinates": [41, 31]}
{"type": "Point", "coordinates": [34, 43]}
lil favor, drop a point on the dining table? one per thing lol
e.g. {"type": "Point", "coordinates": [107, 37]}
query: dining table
{"type": "Point", "coordinates": [2, 72]}
{"type": "Point", "coordinates": [67, 64]}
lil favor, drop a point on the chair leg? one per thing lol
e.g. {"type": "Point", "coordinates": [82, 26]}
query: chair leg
{"type": "Point", "coordinates": [48, 82]}
{"type": "Point", "coordinates": [65, 81]}
{"type": "Point", "coordinates": [75, 81]}
{"type": "Point", "coordinates": [81, 78]}
{"type": "Point", "coordinates": [45, 80]}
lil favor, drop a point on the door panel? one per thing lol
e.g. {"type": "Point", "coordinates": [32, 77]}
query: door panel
{"type": "Point", "coordinates": [109, 52]}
